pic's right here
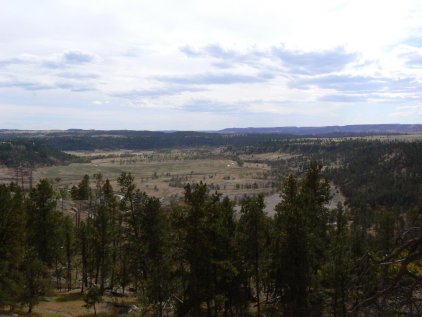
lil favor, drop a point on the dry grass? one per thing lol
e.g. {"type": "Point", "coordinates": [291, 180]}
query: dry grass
{"type": "Point", "coordinates": [72, 305]}
{"type": "Point", "coordinates": [154, 172]}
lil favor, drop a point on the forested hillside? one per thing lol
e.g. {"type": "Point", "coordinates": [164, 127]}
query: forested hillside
{"type": "Point", "coordinates": [88, 140]}
{"type": "Point", "coordinates": [140, 140]}
{"type": "Point", "coordinates": [30, 154]}
{"type": "Point", "coordinates": [199, 257]}
{"type": "Point", "coordinates": [372, 174]}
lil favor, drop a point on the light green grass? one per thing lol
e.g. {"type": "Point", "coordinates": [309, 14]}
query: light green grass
{"type": "Point", "coordinates": [74, 172]}
{"type": "Point", "coordinates": [153, 176]}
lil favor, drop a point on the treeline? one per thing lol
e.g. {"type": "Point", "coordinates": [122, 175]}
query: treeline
{"type": "Point", "coordinates": [199, 257]}
{"type": "Point", "coordinates": [373, 175]}
{"type": "Point", "coordinates": [89, 140]}
{"type": "Point", "coordinates": [78, 139]}
{"type": "Point", "coordinates": [376, 175]}
{"type": "Point", "coordinates": [24, 153]}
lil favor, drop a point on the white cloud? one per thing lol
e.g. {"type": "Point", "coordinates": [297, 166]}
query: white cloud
{"type": "Point", "coordinates": [302, 59]}
{"type": "Point", "coordinates": [408, 111]}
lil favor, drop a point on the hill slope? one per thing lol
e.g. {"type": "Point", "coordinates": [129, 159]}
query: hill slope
{"type": "Point", "coordinates": [30, 153]}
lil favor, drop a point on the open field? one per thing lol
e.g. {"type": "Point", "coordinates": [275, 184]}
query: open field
{"type": "Point", "coordinates": [163, 174]}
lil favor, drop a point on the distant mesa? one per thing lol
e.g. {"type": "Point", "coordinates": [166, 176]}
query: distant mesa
{"type": "Point", "coordinates": [360, 128]}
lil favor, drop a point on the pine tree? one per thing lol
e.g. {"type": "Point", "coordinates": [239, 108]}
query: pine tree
{"type": "Point", "coordinates": [300, 242]}
{"type": "Point", "coordinates": [42, 222]}
{"type": "Point", "coordinates": [339, 266]}
{"type": "Point", "coordinates": [194, 250]}
{"type": "Point", "coordinates": [84, 190]}
{"type": "Point", "coordinates": [252, 234]}
{"type": "Point", "coordinates": [85, 246]}
{"type": "Point", "coordinates": [314, 197]}
{"type": "Point", "coordinates": [227, 282]}
{"type": "Point", "coordinates": [35, 280]}
{"type": "Point", "coordinates": [12, 244]}
{"type": "Point", "coordinates": [115, 233]}
{"type": "Point", "coordinates": [92, 297]}
{"type": "Point", "coordinates": [69, 249]}
{"type": "Point", "coordinates": [102, 227]}
{"type": "Point", "coordinates": [157, 280]}
{"type": "Point", "coordinates": [291, 253]}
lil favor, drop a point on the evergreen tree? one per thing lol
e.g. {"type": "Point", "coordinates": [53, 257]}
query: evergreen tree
{"type": "Point", "coordinates": [157, 279]}
{"type": "Point", "coordinates": [84, 190]}
{"type": "Point", "coordinates": [386, 231]}
{"type": "Point", "coordinates": [93, 297]}
{"type": "Point", "coordinates": [210, 270]}
{"type": "Point", "coordinates": [12, 244]}
{"type": "Point", "coordinates": [42, 246]}
{"type": "Point", "coordinates": [300, 242]}
{"type": "Point", "coordinates": [314, 197]}
{"type": "Point", "coordinates": [226, 269]}
{"type": "Point", "coordinates": [115, 233]}
{"type": "Point", "coordinates": [339, 265]}
{"type": "Point", "coordinates": [85, 245]}
{"type": "Point", "coordinates": [69, 249]}
{"type": "Point", "coordinates": [291, 253]}
{"type": "Point", "coordinates": [102, 226]}
{"type": "Point", "coordinates": [132, 206]}
{"type": "Point", "coordinates": [195, 250]}
{"type": "Point", "coordinates": [35, 280]}
{"type": "Point", "coordinates": [42, 222]}
{"type": "Point", "coordinates": [253, 231]}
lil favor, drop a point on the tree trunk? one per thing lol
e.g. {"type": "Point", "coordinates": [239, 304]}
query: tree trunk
{"type": "Point", "coordinates": [57, 274]}
{"type": "Point", "coordinates": [258, 308]}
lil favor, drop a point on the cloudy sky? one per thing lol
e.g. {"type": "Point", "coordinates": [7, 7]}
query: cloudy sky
{"type": "Point", "coordinates": [201, 65]}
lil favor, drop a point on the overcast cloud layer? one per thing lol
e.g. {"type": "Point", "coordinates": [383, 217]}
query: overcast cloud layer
{"type": "Point", "coordinates": [201, 65]}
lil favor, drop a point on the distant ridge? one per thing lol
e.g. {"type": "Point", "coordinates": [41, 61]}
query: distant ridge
{"type": "Point", "coordinates": [359, 128]}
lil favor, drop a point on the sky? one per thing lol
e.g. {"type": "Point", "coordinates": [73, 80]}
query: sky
{"type": "Point", "coordinates": [208, 64]}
